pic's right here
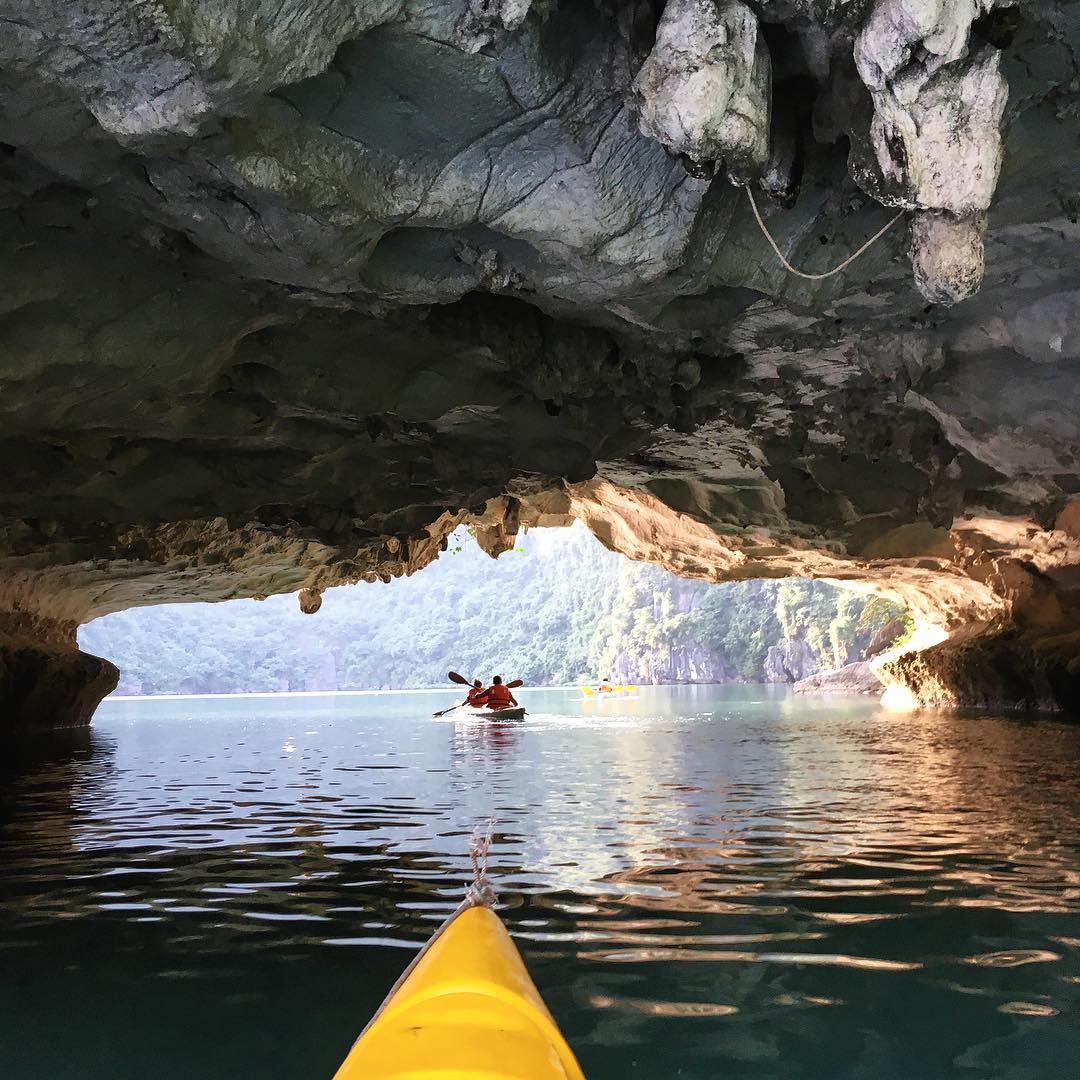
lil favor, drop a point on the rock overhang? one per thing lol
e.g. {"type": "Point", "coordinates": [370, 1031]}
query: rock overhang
{"type": "Point", "coordinates": [289, 294]}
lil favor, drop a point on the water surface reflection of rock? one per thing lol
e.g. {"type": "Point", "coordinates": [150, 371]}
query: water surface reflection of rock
{"type": "Point", "coordinates": [720, 881]}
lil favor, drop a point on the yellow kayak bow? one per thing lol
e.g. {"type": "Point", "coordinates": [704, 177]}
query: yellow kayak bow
{"type": "Point", "coordinates": [467, 1011]}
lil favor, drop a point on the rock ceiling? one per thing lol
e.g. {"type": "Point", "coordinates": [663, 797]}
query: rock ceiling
{"type": "Point", "coordinates": [291, 289]}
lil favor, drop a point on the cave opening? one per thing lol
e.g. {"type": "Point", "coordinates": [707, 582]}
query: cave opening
{"type": "Point", "coordinates": [575, 614]}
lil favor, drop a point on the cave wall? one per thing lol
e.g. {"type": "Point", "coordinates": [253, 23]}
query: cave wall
{"type": "Point", "coordinates": [46, 682]}
{"type": "Point", "coordinates": [292, 290]}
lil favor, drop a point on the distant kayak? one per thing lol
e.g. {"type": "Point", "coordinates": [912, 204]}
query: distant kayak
{"type": "Point", "coordinates": [621, 692]}
{"type": "Point", "coordinates": [511, 712]}
{"type": "Point", "coordinates": [468, 1009]}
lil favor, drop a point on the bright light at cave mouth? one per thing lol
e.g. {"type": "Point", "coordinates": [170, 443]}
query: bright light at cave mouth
{"type": "Point", "coordinates": [898, 699]}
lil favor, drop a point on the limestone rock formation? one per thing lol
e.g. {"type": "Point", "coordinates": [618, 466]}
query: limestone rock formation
{"type": "Point", "coordinates": [690, 663]}
{"type": "Point", "coordinates": [293, 289]}
{"type": "Point", "coordinates": [1004, 668]}
{"type": "Point", "coordinates": [884, 638]}
{"type": "Point", "coordinates": [938, 147]}
{"type": "Point", "coordinates": [793, 662]}
{"type": "Point", "coordinates": [947, 255]}
{"type": "Point", "coordinates": [706, 86]}
{"type": "Point", "coordinates": [45, 681]}
{"type": "Point", "coordinates": [934, 139]}
{"type": "Point", "coordinates": [855, 678]}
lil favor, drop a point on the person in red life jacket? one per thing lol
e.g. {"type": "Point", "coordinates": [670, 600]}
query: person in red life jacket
{"type": "Point", "coordinates": [477, 695]}
{"type": "Point", "coordinates": [498, 695]}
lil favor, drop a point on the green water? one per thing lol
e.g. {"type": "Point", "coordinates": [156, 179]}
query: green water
{"type": "Point", "coordinates": [706, 882]}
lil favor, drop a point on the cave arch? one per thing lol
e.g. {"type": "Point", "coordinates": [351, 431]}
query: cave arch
{"type": "Point", "coordinates": [1001, 591]}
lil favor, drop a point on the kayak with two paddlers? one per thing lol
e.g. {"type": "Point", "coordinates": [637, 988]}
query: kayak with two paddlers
{"type": "Point", "coordinates": [495, 702]}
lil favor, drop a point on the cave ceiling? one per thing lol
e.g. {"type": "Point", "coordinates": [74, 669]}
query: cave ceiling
{"type": "Point", "coordinates": [291, 289]}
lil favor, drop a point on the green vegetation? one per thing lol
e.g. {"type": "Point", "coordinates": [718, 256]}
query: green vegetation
{"type": "Point", "coordinates": [559, 608]}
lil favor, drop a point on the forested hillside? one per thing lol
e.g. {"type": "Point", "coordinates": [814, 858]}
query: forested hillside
{"type": "Point", "coordinates": [558, 609]}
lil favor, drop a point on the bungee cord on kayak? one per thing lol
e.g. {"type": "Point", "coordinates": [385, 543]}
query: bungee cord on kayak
{"type": "Point", "coordinates": [481, 890]}
{"type": "Point", "coordinates": [465, 1002]}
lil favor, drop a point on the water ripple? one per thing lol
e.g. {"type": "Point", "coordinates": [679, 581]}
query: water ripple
{"type": "Point", "coordinates": [712, 884]}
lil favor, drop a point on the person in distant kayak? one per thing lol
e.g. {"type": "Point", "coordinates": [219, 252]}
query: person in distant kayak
{"type": "Point", "coordinates": [477, 695]}
{"type": "Point", "coordinates": [498, 695]}
{"type": "Point", "coordinates": [606, 687]}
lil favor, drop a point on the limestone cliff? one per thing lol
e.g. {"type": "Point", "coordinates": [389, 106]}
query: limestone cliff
{"type": "Point", "coordinates": [791, 662]}
{"type": "Point", "coordinates": [292, 289]}
{"type": "Point", "coordinates": [689, 663]}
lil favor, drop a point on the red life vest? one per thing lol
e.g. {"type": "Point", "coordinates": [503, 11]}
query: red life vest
{"type": "Point", "coordinates": [477, 695]}
{"type": "Point", "coordinates": [498, 696]}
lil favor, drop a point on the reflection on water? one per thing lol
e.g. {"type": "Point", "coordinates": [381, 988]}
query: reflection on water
{"type": "Point", "coordinates": [705, 883]}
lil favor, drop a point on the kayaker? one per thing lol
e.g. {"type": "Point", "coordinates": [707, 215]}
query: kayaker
{"type": "Point", "coordinates": [498, 695]}
{"type": "Point", "coordinates": [606, 687]}
{"type": "Point", "coordinates": [477, 695]}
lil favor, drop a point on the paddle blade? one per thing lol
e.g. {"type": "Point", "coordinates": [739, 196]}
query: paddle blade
{"type": "Point", "coordinates": [453, 676]}
{"type": "Point", "coordinates": [516, 683]}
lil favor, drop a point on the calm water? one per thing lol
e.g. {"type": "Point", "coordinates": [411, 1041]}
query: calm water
{"type": "Point", "coordinates": [705, 883]}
